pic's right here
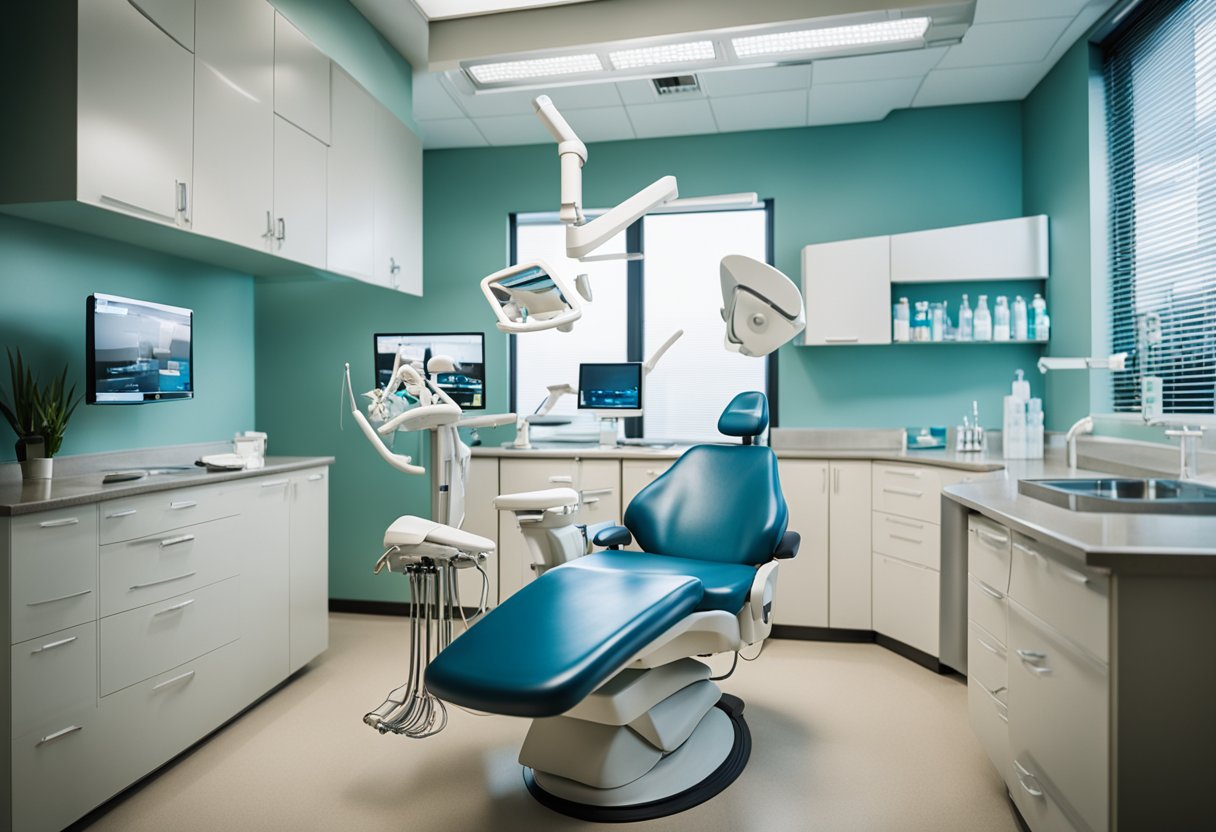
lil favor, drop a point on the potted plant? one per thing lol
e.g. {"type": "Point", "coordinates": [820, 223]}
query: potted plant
{"type": "Point", "coordinates": [39, 416]}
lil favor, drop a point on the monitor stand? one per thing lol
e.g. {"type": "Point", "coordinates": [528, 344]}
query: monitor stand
{"type": "Point", "coordinates": [610, 431]}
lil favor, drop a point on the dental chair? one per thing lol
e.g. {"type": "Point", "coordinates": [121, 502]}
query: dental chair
{"type": "Point", "coordinates": [599, 652]}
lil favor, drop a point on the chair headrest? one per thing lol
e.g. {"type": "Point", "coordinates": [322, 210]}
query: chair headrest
{"type": "Point", "coordinates": [746, 415]}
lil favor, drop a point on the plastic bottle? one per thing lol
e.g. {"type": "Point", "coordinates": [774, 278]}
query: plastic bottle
{"type": "Point", "coordinates": [903, 321]}
{"type": "Point", "coordinates": [1038, 315]}
{"type": "Point", "coordinates": [937, 322]}
{"type": "Point", "coordinates": [921, 322]}
{"type": "Point", "coordinates": [983, 320]}
{"type": "Point", "coordinates": [965, 331]}
{"type": "Point", "coordinates": [1000, 319]}
{"type": "Point", "coordinates": [1021, 324]}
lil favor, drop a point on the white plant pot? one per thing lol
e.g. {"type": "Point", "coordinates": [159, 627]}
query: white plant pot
{"type": "Point", "coordinates": [36, 469]}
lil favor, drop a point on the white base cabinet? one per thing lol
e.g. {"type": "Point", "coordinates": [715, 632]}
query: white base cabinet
{"type": "Point", "coordinates": [802, 584]}
{"type": "Point", "coordinates": [849, 553]}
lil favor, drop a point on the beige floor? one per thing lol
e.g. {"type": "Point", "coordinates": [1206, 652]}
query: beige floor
{"type": "Point", "coordinates": [846, 737]}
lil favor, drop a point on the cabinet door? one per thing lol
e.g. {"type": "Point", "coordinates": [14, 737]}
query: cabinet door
{"type": "Point", "coordinates": [480, 517]}
{"type": "Point", "coordinates": [135, 114]}
{"type": "Point", "coordinates": [352, 179]}
{"type": "Point", "coordinates": [802, 585]}
{"type": "Point", "coordinates": [1004, 249]}
{"type": "Point", "coordinates": [299, 195]}
{"type": "Point", "coordinates": [265, 529]}
{"type": "Point", "coordinates": [234, 122]}
{"type": "Point", "coordinates": [398, 205]}
{"type": "Point", "coordinates": [301, 80]}
{"type": "Point", "coordinates": [906, 604]}
{"type": "Point", "coordinates": [599, 488]}
{"type": "Point", "coordinates": [849, 552]}
{"type": "Point", "coordinates": [309, 573]}
{"type": "Point", "coordinates": [516, 475]}
{"type": "Point", "coordinates": [174, 17]}
{"type": "Point", "coordinates": [847, 288]}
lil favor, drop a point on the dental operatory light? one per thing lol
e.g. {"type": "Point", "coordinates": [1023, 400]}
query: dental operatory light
{"type": "Point", "coordinates": [832, 37]}
{"type": "Point", "coordinates": [668, 53]}
{"type": "Point", "coordinates": [560, 65]}
{"type": "Point", "coordinates": [762, 308]}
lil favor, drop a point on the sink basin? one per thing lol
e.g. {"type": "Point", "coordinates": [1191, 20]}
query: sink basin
{"type": "Point", "coordinates": [1152, 496]}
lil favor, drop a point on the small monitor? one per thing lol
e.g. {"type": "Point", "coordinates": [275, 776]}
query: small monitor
{"type": "Point", "coordinates": [613, 389]}
{"type": "Point", "coordinates": [137, 351]}
{"type": "Point", "coordinates": [466, 386]}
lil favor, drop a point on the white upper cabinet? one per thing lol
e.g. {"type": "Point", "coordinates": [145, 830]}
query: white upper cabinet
{"type": "Point", "coordinates": [134, 114]}
{"type": "Point", "coordinates": [301, 80]}
{"type": "Point", "coordinates": [299, 195]}
{"type": "Point", "coordinates": [174, 17]}
{"type": "Point", "coordinates": [352, 179]}
{"type": "Point", "coordinates": [398, 206]}
{"type": "Point", "coordinates": [847, 290]}
{"type": "Point", "coordinates": [1002, 250]}
{"type": "Point", "coordinates": [234, 122]}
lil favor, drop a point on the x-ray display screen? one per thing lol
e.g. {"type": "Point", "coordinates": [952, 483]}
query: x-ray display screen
{"type": "Point", "coordinates": [138, 351]}
{"type": "Point", "coordinates": [610, 386]}
{"type": "Point", "coordinates": [466, 386]}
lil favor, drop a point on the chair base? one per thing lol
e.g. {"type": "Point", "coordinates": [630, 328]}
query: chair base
{"type": "Point", "coordinates": [723, 735]}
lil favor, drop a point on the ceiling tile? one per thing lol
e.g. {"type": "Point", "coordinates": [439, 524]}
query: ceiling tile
{"type": "Point", "coordinates": [583, 96]}
{"type": "Point", "coordinates": [489, 104]}
{"type": "Point", "coordinates": [672, 118]}
{"type": "Point", "coordinates": [762, 111]}
{"type": "Point", "coordinates": [431, 100]}
{"type": "Point", "coordinates": [995, 11]}
{"type": "Point", "coordinates": [912, 63]}
{"type": "Point", "coordinates": [507, 130]}
{"type": "Point", "coordinates": [755, 80]}
{"type": "Point", "coordinates": [642, 92]}
{"type": "Point", "coordinates": [519, 102]}
{"type": "Point", "coordinates": [860, 101]}
{"type": "Point", "coordinates": [1015, 42]}
{"type": "Point", "coordinates": [602, 124]}
{"type": "Point", "coordinates": [450, 132]}
{"type": "Point", "coordinates": [975, 84]}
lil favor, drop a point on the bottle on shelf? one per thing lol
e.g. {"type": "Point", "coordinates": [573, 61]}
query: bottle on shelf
{"type": "Point", "coordinates": [921, 322]}
{"type": "Point", "coordinates": [964, 321]}
{"type": "Point", "coordinates": [1021, 323]}
{"type": "Point", "coordinates": [903, 321]}
{"type": "Point", "coordinates": [1038, 318]}
{"type": "Point", "coordinates": [1000, 319]}
{"type": "Point", "coordinates": [937, 322]}
{"type": "Point", "coordinates": [983, 320]}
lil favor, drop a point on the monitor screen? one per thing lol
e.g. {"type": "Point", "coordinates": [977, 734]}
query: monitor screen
{"type": "Point", "coordinates": [466, 386]}
{"type": "Point", "coordinates": [610, 386]}
{"type": "Point", "coordinates": [138, 351]}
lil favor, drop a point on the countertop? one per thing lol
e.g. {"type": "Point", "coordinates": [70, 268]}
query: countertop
{"type": "Point", "coordinates": [74, 489]}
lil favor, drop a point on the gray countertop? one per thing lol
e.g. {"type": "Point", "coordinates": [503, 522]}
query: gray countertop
{"type": "Point", "coordinates": [82, 487]}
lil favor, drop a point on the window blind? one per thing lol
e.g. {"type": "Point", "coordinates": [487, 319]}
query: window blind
{"type": "Point", "coordinates": [1160, 78]}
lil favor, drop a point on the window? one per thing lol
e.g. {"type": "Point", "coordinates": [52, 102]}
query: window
{"type": "Point", "coordinates": [1161, 126]}
{"type": "Point", "coordinates": [637, 306]}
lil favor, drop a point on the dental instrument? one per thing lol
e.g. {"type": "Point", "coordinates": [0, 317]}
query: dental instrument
{"type": "Point", "coordinates": [762, 307]}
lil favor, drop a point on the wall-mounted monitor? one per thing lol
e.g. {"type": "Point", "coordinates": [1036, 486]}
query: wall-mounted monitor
{"type": "Point", "coordinates": [466, 386]}
{"type": "Point", "coordinates": [137, 351]}
{"type": "Point", "coordinates": [612, 389]}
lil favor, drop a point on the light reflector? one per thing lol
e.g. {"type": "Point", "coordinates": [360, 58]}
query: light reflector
{"type": "Point", "coordinates": [535, 68]}
{"type": "Point", "coordinates": [834, 37]}
{"type": "Point", "coordinates": [670, 53]}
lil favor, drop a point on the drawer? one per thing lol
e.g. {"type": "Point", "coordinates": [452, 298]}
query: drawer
{"type": "Point", "coordinates": [989, 718]}
{"type": "Point", "coordinates": [150, 569]}
{"type": "Point", "coordinates": [61, 769]}
{"type": "Point", "coordinates": [599, 486]}
{"type": "Point", "coordinates": [906, 602]}
{"type": "Point", "coordinates": [988, 551]}
{"type": "Point", "coordinates": [52, 674]}
{"type": "Point", "coordinates": [1074, 600]}
{"type": "Point", "coordinates": [1059, 705]}
{"type": "Point", "coordinates": [636, 474]}
{"type": "Point", "coordinates": [1038, 805]}
{"type": "Point", "coordinates": [53, 571]}
{"type": "Point", "coordinates": [145, 514]}
{"type": "Point", "coordinates": [140, 643]}
{"type": "Point", "coordinates": [988, 608]}
{"type": "Point", "coordinates": [912, 540]}
{"type": "Point", "coordinates": [907, 490]}
{"type": "Point", "coordinates": [987, 663]}
{"type": "Point", "coordinates": [537, 474]}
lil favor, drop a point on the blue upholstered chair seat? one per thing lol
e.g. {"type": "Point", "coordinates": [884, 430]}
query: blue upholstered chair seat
{"type": "Point", "coordinates": [725, 585]}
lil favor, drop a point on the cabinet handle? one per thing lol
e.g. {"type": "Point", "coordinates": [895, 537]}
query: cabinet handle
{"type": "Point", "coordinates": [906, 539]}
{"type": "Point", "coordinates": [131, 206]}
{"type": "Point", "coordinates": [852, 340]}
{"type": "Point", "coordinates": [989, 591]}
{"type": "Point", "coordinates": [590, 500]}
{"type": "Point", "coordinates": [282, 235]}
{"type": "Point", "coordinates": [180, 504]}
{"type": "Point", "coordinates": [1030, 658]}
{"type": "Point", "coordinates": [274, 483]}
{"type": "Point", "coordinates": [993, 539]}
{"type": "Point", "coordinates": [902, 472]}
{"type": "Point", "coordinates": [1071, 574]}
{"type": "Point", "coordinates": [183, 200]}
{"type": "Point", "coordinates": [823, 488]}
{"type": "Point", "coordinates": [901, 522]}
{"type": "Point", "coordinates": [269, 235]}
{"type": "Point", "coordinates": [905, 492]}
{"type": "Point", "coordinates": [189, 674]}
{"type": "Point", "coordinates": [993, 650]}
{"type": "Point", "coordinates": [173, 541]}
{"type": "Point", "coordinates": [53, 645]}
{"type": "Point", "coordinates": [60, 598]}
{"type": "Point", "coordinates": [589, 491]}
{"type": "Point", "coordinates": [652, 472]}
{"type": "Point", "coordinates": [63, 521]}
{"type": "Point", "coordinates": [561, 478]}
{"type": "Point", "coordinates": [175, 608]}
{"type": "Point", "coordinates": [995, 691]}
{"type": "Point", "coordinates": [835, 480]}
{"type": "Point", "coordinates": [393, 265]}
{"type": "Point", "coordinates": [127, 512]}
{"type": "Point", "coordinates": [315, 477]}
{"type": "Point", "coordinates": [62, 732]}
{"type": "Point", "coordinates": [1022, 775]}
{"type": "Point", "coordinates": [165, 580]}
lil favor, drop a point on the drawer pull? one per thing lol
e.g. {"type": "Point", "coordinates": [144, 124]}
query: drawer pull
{"type": "Point", "coordinates": [60, 598]}
{"type": "Point", "coordinates": [906, 539]}
{"type": "Point", "coordinates": [1071, 574]}
{"type": "Point", "coordinates": [992, 539]}
{"type": "Point", "coordinates": [823, 488]}
{"type": "Point", "coordinates": [53, 645]}
{"type": "Point", "coordinates": [178, 607]}
{"type": "Point", "coordinates": [654, 472]}
{"type": "Point", "coordinates": [561, 478]}
{"type": "Point", "coordinates": [114, 515]}
{"type": "Point", "coordinates": [590, 500]}
{"type": "Point", "coordinates": [995, 691]}
{"type": "Point", "coordinates": [1026, 550]}
{"type": "Point", "coordinates": [989, 591]}
{"type": "Point", "coordinates": [903, 472]}
{"type": "Point", "coordinates": [274, 483]}
{"type": "Point", "coordinates": [899, 521]}
{"type": "Point", "coordinates": [173, 541]}
{"type": "Point", "coordinates": [189, 674]}
{"type": "Point", "coordinates": [315, 477]}
{"type": "Point", "coordinates": [993, 650]}
{"type": "Point", "coordinates": [1031, 659]}
{"type": "Point", "coordinates": [62, 521]}
{"type": "Point", "coordinates": [62, 732]}
{"type": "Point", "coordinates": [181, 504]}
{"type": "Point", "coordinates": [593, 491]}
{"type": "Point", "coordinates": [165, 580]}
{"type": "Point", "coordinates": [1023, 775]}
{"type": "Point", "coordinates": [904, 492]}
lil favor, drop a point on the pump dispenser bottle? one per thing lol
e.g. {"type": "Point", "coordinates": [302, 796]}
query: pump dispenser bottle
{"type": "Point", "coordinates": [1000, 319]}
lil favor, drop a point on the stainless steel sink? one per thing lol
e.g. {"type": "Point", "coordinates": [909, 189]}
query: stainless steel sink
{"type": "Point", "coordinates": [1151, 496]}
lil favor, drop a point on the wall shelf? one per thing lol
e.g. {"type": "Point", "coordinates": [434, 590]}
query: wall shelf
{"type": "Point", "coordinates": [966, 343]}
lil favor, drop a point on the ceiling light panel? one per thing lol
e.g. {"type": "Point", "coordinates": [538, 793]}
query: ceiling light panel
{"type": "Point", "coordinates": [507, 71]}
{"type": "Point", "coordinates": [835, 37]}
{"type": "Point", "coordinates": [670, 53]}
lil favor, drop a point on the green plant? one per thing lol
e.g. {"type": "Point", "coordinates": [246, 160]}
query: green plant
{"type": "Point", "coordinates": [22, 414]}
{"type": "Point", "coordinates": [54, 410]}
{"type": "Point", "coordinates": [37, 411]}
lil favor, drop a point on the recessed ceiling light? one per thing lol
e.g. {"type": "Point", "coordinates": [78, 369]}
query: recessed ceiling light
{"type": "Point", "coordinates": [670, 53]}
{"type": "Point", "coordinates": [535, 68]}
{"type": "Point", "coordinates": [835, 37]}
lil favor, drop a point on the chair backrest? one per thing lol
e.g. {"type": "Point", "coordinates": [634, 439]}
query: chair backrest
{"type": "Point", "coordinates": [717, 502]}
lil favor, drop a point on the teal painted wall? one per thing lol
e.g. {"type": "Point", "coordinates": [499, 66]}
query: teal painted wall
{"type": "Point", "coordinates": [45, 275]}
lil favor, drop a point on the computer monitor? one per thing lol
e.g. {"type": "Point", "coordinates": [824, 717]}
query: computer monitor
{"type": "Point", "coordinates": [466, 386]}
{"type": "Point", "coordinates": [612, 390]}
{"type": "Point", "coordinates": [137, 351]}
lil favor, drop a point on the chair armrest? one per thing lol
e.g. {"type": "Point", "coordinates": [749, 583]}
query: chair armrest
{"type": "Point", "coordinates": [788, 547]}
{"type": "Point", "coordinates": [614, 537]}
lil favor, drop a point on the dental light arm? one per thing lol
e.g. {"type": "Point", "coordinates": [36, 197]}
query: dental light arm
{"type": "Point", "coordinates": [401, 462]}
{"type": "Point", "coordinates": [658, 354]}
{"type": "Point", "coordinates": [573, 155]}
{"type": "Point", "coordinates": [1115, 362]}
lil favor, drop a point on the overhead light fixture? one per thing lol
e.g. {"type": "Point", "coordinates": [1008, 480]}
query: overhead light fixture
{"type": "Point", "coordinates": [668, 53]}
{"type": "Point", "coordinates": [832, 37]}
{"type": "Point", "coordinates": [508, 71]}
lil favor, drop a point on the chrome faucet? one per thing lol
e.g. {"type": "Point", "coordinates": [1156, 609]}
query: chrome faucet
{"type": "Point", "coordinates": [1188, 446]}
{"type": "Point", "coordinates": [1082, 425]}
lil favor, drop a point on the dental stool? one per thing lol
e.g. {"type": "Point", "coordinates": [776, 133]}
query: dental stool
{"type": "Point", "coordinates": [627, 725]}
